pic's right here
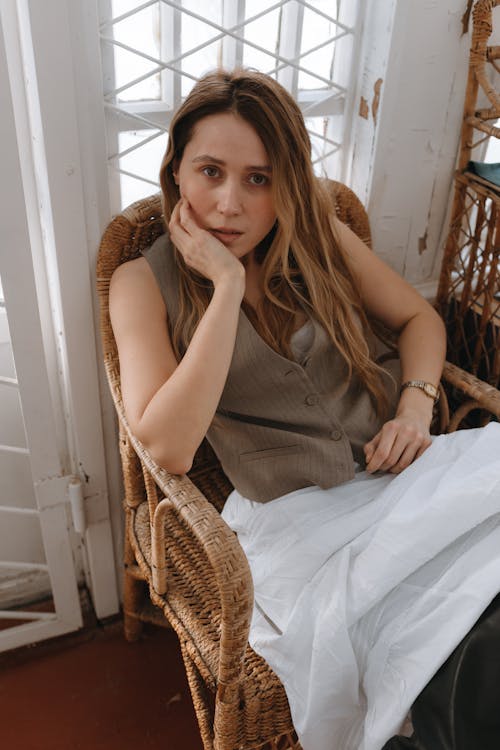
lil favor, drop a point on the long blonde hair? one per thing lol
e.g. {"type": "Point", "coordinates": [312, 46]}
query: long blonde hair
{"type": "Point", "coordinates": [303, 264]}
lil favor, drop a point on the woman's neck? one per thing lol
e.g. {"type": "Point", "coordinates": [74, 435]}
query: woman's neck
{"type": "Point", "coordinates": [254, 292]}
{"type": "Point", "coordinates": [253, 287]}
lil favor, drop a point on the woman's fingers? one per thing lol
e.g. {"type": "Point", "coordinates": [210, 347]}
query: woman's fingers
{"type": "Point", "coordinates": [201, 250]}
{"type": "Point", "coordinates": [407, 457]}
{"type": "Point", "coordinates": [174, 225]}
{"type": "Point", "coordinates": [371, 447]}
{"type": "Point", "coordinates": [384, 446]}
{"type": "Point", "coordinates": [186, 218]}
{"type": "Point", "coordinates": [188, 237]}
{"type": "Point", "coordinates": [396, 446]}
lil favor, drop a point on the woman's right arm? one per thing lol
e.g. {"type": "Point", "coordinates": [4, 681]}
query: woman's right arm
{"type": "Point", "coordinates": [170, 405]}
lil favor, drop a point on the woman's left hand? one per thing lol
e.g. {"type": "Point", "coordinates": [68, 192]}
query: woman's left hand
{"type": "Point", "coordinates": [398, 443]}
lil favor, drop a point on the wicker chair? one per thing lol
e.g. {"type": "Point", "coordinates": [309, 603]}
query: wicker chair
{"type": "Point", "coordinates": [181, 556]}
{"type": "Point", "coordinates": [468, 296]}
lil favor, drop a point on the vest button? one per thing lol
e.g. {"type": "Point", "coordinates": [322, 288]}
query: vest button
{"type": "Point", "coordinates": [336, 435]}
{"type": "Point", "coordinates": [312, 399]}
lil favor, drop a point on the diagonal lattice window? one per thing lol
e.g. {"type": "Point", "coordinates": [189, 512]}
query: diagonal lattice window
{"type": "Point", "coordinates": [153, 51]}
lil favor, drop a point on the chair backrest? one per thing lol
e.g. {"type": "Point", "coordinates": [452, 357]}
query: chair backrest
{"type": "Point", "coordinates": [132, 231]}
{"type": "Point", "coordinates": [468, 296]}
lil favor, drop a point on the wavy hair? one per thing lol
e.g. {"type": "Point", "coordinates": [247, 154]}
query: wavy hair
{"type": "Point", "coordinates": [303, 264]}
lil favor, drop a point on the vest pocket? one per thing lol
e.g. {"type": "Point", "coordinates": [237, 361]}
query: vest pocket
{"type": "Point", "coordinates": [284, 450]}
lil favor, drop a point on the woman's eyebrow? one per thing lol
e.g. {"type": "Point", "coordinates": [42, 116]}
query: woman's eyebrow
{"type": "Point", "coordinates": [215, 160]}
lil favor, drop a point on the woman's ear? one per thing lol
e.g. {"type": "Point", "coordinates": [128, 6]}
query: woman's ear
{"type": "Point", "coordinates": [175, 171]}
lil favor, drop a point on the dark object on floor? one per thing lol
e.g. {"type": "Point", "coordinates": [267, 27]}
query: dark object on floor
{"type": "Point", "coordinates": [460, 707]}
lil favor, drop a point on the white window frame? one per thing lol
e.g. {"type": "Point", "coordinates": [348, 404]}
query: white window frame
{"type": "Point", "coordinates": [336, 98]}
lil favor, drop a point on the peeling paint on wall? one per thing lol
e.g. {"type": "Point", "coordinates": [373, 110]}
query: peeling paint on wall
{"type": "Point", "coordinates": [376, 98]}
{"type": "Point", "coordinates": [414, 77]}
{"type": "Point", "coordinates": [466, 17]}
{"type": "Point", "coordinates": [363, 108]}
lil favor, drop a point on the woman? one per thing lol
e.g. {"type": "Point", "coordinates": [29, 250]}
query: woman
{"type": "Point", "coordinates": [249, 322]}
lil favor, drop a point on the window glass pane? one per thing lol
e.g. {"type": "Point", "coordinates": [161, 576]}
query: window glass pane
{"type": "Point", "coordinates": [11, 423]}
{"type": "Point", "coordinates": [142, 162]}
{"type": "Point", "coordinates": [322, 147]}
{"type": "Point", "coordinates": [21, 542]}
{"type": "Point", "coordinates": [317, 29]}
{"type": "Point", "coordinates": [16, 482]}
{"type": "Point", "coordinates": [265, 33]}
{"type": "Point", "coordinates": [211, 9]}
{"type": "Point", "coordinates": [198, 64]}
{"type": "Point", "coordinates": [20, 536]}
{"type": "Point", "coordinates": [492, 155]}
{"type": "Point", "coordinates": [329, 7]}
{"type": "Point", "coordinates": [196, 32]}
{"type": "Point", "coordinates": [142, 32]}
{"type": "Point", "coordinates": [7, 368]}
{"type": "Point", "coordinates": [123, 6]}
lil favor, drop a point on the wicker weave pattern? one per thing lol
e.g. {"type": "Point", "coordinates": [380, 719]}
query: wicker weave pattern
{"type": "Point", "coordinates": [179, 548]}
{"type": "Point", "coordinates": [470, 281]}
{"type": "Point", "coordinates": [469, 286]}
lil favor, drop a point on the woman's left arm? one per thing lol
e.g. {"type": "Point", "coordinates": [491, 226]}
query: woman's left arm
{"type": "Point", "coordinates": [422, 347]}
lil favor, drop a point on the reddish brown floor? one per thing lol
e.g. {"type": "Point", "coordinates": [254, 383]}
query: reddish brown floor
{"type": "Point", "coordinates": [99, 694]}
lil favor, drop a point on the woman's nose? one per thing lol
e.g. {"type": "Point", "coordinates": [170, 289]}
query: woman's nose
{"type": "Point", "coordinates": [229, 201]}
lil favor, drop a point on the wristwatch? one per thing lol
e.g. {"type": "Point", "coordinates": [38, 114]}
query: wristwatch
{"type": "Point", "coordinates": [429, 389]}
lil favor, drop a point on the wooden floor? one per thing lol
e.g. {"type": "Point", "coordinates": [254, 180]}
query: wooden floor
{"type": "Point", "coordinates": [95, 691]}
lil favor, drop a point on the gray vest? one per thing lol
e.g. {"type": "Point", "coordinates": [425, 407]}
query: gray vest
{"type": "Point", "coordinates": [280, 425]}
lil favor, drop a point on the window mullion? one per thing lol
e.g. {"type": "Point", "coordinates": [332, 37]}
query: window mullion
{"type": "Point", "coordinates": [292, 16]}
{"type": "Point", "coordinates": [233, 14]}
{"type": "Point", "coordinates": [112, 120]}
{"type": "Point", "coordinates": [346, 62]}
{"type": "Point", "coordinates": [170, 49]}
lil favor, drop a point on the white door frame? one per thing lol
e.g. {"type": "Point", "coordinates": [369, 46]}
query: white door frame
{"type": "Point", "coordinates": [47, 182]}
{"type": "Point", "coordinates": [25, 325]}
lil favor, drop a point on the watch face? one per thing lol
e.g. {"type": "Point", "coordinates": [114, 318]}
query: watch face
{"type": "Point", "coordinates": [429, 389]}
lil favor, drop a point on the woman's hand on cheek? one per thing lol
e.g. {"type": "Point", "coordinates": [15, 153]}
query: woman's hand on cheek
{"type": "Point", "coordinates": [398, 443]}
{"type": "Point", "coordinates": [201, 250]}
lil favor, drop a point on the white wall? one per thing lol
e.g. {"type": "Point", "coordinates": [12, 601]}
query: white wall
{"type": "Point", "coordinates": [405, 149]}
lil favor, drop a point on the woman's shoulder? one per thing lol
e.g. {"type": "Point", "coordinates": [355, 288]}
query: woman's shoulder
{"type": "Point", "coordinates": [134, 287]}
{"type": "Point", "coordinates": [132, 272]}
{"type": "Point", "coordinates": [155, 267]}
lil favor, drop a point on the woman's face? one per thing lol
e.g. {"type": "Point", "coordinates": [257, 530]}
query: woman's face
{"type": "Point", "coordinates": [225, 175]}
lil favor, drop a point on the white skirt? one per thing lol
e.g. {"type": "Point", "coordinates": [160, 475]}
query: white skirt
{"type": "Point", "coordinates": [362, 591]}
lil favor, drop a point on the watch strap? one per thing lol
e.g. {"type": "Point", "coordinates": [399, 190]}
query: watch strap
{"type": "Point", "coordinates": [429, 389]}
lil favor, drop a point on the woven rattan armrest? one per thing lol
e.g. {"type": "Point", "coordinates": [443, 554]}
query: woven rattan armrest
{"type": "Point", "coordinates": [229, 566]}
{"type": "Point", "coordinates": [479, 394]}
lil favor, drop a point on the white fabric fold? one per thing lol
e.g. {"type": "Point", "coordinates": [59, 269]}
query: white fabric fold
{"type": "Point", "coordinates": [363, 590]}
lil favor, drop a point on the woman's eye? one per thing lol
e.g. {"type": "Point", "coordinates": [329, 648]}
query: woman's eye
{"type": "Point", "coordinates": [258, 179]}
{"type": "Point", "coordinates": [210, 171]}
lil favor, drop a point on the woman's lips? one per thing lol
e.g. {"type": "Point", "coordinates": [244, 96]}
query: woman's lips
{"type": "Point", "coordinates": [226, 235]}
